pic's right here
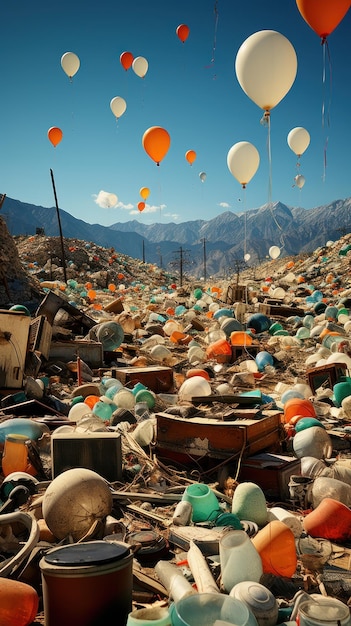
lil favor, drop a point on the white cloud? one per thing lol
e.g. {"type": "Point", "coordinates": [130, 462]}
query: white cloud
{"type": "Point", "coordinates": [106, 200]}
{"type": "Point", "coordinates": [224, 205]}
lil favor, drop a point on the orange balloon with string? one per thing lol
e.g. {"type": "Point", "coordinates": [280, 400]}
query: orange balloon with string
{"type": "Point", "coordinates": [55, 135]}
{"type": "Point", "coordinates": [190, 156]}
{"type": "Point", "coordinates": [156, 142]}
{"type": "Point", "coordinates": [141, 206]}
{"type": "Point", "coordinates": [323, 16]}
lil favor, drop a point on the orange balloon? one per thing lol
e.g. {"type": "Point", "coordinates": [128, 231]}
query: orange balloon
{"type": "Point", "coordinates": [183, 32]}
{"type": "Point", "coordinates": [126, 60]}
{"type": "Point", "coordinates": [156, 142]}
{"type": "Point", "coordinates": [323, 16]}
{"type": "Point", "coordinates": [141, 206]}
{"type": "Point", "coordinates": [190, 156]}
{"type": "Point", "coordinates": [55, 135]}
{"type": "Point", "coordinates": [144, 192]}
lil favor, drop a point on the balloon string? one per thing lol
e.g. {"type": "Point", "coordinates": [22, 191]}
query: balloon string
{"type": "Point", "coordinates": [267, 120]}
{"type": "Point", "coordinates": [215, 10]}
{"type": "Point", "coordinates": [326, 112]}
{"type": "Point", "coordinates": [245, 222]}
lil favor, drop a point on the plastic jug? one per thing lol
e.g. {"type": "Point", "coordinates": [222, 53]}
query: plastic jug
{"type": "Point", "coordinates": [18, 603]}
{"type": "Point", "coordinates": [239, 559]}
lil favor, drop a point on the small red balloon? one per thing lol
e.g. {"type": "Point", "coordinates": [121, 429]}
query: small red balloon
{"type": "Point", "coordinates": [126, 60]}
{"type": "Point", "coordinates": [183, 32]}
{"type": "Point", "coordinates": [141, 206]}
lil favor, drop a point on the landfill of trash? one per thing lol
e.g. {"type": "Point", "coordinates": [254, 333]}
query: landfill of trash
{"type": "Point", "coordinates": [175, 454]}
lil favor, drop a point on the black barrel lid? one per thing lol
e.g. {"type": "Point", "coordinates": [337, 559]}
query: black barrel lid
{"type": "Point", "coordinates": [87, 553]}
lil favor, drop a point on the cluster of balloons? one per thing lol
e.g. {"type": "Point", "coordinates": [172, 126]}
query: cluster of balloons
{"type": "Point", "coordinates": [139, 65]}
{"type": "Point", "coordinates": [298, 141]}
{"type": "Point", "coordinates": [144, 193]}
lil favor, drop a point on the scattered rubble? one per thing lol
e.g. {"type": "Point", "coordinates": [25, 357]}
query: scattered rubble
{"type": "Point", "coordinates": [128, 395]}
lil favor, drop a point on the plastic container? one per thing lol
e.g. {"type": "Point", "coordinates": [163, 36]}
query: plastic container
{"type": "Point", "coordinates": [313, 441]}
{"type": "Point", "coordinates": [263, 359]}
{"type": "Point", "coordinates": [22, 426]}
{"type": "Point", "coordinates": [231, 325]}
{"type": "Point", "coordinates": [298, 406]}
{"type": "Point", "coordinates": [275, 544]}
{"type": "Point", "coordinates": [292, 521]}
{"type": "Point", "coordinates": [259, 600]}
{"type": "Point", "coordinates": [330, 520]}
{"type": "Point", "coordinates": [329, 612]}
{"type": "Point", "coordinates": [151, 616]}
{"type": "Point", "coordinates": [249, 503]}
{"type": "Point", "coordinates": [220, 350]}
{"type": "Point", "coordinates": [239, 559]}
{"type": "Point", "coordinates": [203, 501]}
{"type": "Point", "coordinates": [240, 338]}
{"type": "Point", "coordinates": [145, 395]}
{"type": "Point", "coordinates": [325, 487]}
{"type": "Point", "coordinates": [207, 609]}
{"type": "Point", "coordinates": [74, 500]}
{"type": "Point", "coordinates": [342, 390]}
{"type": "Point", "coordinates": [259, 322]}
{"type": "Point", "coordinates": [18, 603]}
{"type": "Point", "coordinates": [193, 387]}
{"type": "Point", "coordinates": [87, 583]}
{"type": "Point", "coordinates": [110, 334]}
{"type": "Point", "coordinates": [15, 456]}
{"type": "Point", "coordinates": [173, 580]}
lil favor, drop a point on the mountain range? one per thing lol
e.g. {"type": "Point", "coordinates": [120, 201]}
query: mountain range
{"type": "Point", "coordinates": [215, 246]}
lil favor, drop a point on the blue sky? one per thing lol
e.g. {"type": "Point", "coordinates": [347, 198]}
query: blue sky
{"type": "Point", "coordinates": [190, 89]}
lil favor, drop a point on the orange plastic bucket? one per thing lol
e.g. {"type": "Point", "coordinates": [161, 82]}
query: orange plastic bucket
{"type": "Point", "coordinates": [298, 406]}
{"type": "Point", "coordinates": [275, 544]}
{"type": "Point", "coordinates": [239, 338]}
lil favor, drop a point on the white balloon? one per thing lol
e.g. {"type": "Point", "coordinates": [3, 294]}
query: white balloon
{"type": "Point", "coordinates": [298, 140]}
{"type": "Point", "coordinates": [118, 106]}
{"type": "Point", "coordinates": [247, 257]}
{"type": "Point", "coordinates": [202, 176]}
{"type": "Point", "coordinates": [140, 66]}
{"type": "Point", "coordinates": [299, 181]}
{"type": "Point", "coordinates": [70, 63]}
{"type": "Point", "coordinates": [243, 160]}
{"type": "Point", "coordinates": [266, 67]}
{"type": "Point", "coordinates": [274, 252]}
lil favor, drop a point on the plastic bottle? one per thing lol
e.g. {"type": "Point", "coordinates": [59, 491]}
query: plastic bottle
{"type": "Point", "coordinates": [239, 559]}
{"type": "Point", "coordinates": [18, 603]}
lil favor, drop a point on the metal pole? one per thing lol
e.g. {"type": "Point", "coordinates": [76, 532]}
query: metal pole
{"type": "Point", "coordinates": [204, 248]}
{"type": "Point", "coordinates": [63, 260]}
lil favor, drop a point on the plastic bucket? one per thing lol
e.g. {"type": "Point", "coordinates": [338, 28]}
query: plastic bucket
{"type": "Point", "coordinates": [275, 544]}
{"type": "Point", "coordinates": [89, 594]}
{"type": "Point", "coordinates": [205, 609]}
{"type": "Point", "coordinates": [203, 500]}
{"type": "Point", "coordinates": [150, 616]}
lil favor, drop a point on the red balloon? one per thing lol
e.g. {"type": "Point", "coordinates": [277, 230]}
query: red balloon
{"type": "Point", "coordinates": [183, 32]}
{"type": "Point", "coordinates": [126, 60]}
{"type": "Point", "coordinates": [55, 135]}
{"type": "Point", "coordinates": [190, 156]}
{"type": "Point", "coordinates": [141, 206]}
{"type": "Point", "coordinates": [323, 16]}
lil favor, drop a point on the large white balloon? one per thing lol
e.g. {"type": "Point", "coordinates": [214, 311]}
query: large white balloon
{"type": "Point", "coordinates": [299, 181]}
{"type": "Point", "coordinates": [70, 63]}
{"type": "Point", "coordinates": [140, 66]}
{"type": "Point", "coordinates": [243, 160]}
{"type": "Point", "coordinates": [274, 252]}
{"type": "Point", "coordinates": [298, 140]}
{"type": "Point", "coordinates": [118, 106]}
{"type": "Point", "coordinates": [266, 67]}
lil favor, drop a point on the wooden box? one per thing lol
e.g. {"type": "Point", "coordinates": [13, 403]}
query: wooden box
{"type": "Point", "coordinates": [198, 437]}
{"type": "Point", "coordinates": [271, 472]}
{"type": "Point", "coordinates": [156, 378]}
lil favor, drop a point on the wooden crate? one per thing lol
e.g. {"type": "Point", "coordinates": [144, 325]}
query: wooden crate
{"type": "Point", "coordinates": [198, 437]}
{"type": "Point", "coordinates": [156, 378]}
